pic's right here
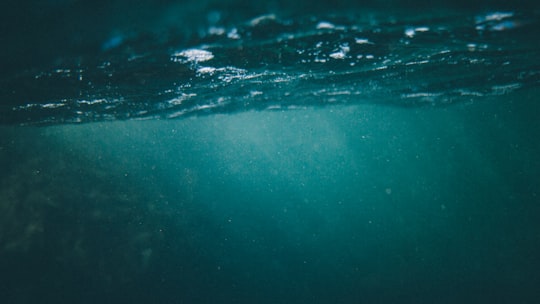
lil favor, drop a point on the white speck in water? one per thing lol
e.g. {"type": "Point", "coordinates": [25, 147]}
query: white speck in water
{"type": "Point", "coordinates": [255, 93]}
{"type": "Point", "coordinates": [262, 19]}
{"type": "Point", "coordinates": [411, 32]}
{"type": "Point", "coordinates": [471, 47]}
{"type": "Point", "coordinates": [193, 55]}
{"type": "Point", "coordinates": [233, 34]}
{"type": "Point", "coordinates": [362, 41]}
{"type": "Point", "coordinates": [325, 25]}
{"type": "Point", "coordinates": [213, 30]}
{"type": "Point", "coordinates": [504, 89]}
{"type": "Point", "coordinates": [91, 102]}
{"type": "Point", "coordinates": [52, 105]}
{"type": "Point", "coordinates": [338, 55]}
{"type": "Point", "coordinates": [206, 70]}
{"type": "Point", "coordinates": [495, 16]}
{"type": "Point", "coordinates": [180, 99]}
{"type": "Point", "coordinates": [342, 53]}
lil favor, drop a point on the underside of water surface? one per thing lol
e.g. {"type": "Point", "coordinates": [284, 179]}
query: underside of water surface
{"type": "Point", "coordinates": [228, 60]}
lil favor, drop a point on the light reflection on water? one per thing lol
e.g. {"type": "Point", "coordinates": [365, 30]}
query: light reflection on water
{"type": "Point", "coordinates": [269, 62]}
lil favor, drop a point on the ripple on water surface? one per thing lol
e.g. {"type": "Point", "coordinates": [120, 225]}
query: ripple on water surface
{"type": "Point", "coordinates": [270, 62]}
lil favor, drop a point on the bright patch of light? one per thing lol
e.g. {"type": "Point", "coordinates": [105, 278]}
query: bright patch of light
{"type": "Point", "coordinates": [206, 70]}
{"type": "Point", "coordinates": [193, 55]}
{"type": "Point", "coordinates": [411, 32]}
{"type": "Point", "coordinates": [325, 25]}
{"type": "Point", "coordinates": [362, 41]}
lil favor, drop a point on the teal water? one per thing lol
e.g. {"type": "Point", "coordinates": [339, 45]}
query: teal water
{"type": "Point", "coordinates": [347, 204]}
{"type": "Point", "coordinates": [230, 152]}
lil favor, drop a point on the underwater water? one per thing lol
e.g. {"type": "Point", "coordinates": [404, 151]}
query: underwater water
{"type": "Point", "coordinates": [224, 152]}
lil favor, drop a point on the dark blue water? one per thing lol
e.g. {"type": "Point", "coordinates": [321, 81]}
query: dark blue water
{"type": "Point", "coordinates": [224, 152]}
